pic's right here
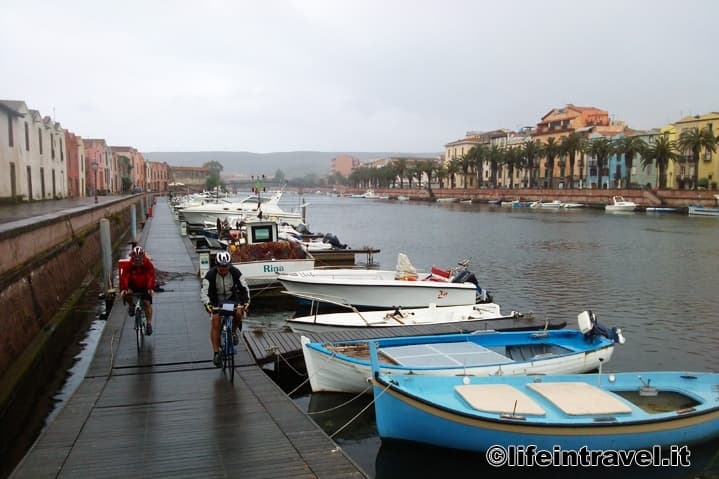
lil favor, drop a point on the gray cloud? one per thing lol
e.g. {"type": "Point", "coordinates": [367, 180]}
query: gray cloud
{"type": "Point", "coordinates": [353, 76]}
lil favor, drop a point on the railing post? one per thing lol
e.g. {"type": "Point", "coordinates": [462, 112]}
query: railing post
{"type": "Point", "coordinates": [133, 223]}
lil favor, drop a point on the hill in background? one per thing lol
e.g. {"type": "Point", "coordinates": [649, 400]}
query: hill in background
{"type": "Point", "coordinates": [294, 164]}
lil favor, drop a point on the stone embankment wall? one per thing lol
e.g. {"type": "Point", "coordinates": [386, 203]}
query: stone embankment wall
{"type": "Point", "coordinates": [42, 265]}
{"type": "Point", "coordinates": [596, 197]}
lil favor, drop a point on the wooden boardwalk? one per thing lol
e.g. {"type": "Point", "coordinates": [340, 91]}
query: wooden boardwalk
{"type": "Point", "coordinates": [167, 411]}
{"type": "Point", "coordinates": [267, 346]}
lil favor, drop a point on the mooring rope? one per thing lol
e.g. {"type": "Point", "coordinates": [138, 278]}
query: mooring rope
{"type": "Point", "coordinates": [371, 403]}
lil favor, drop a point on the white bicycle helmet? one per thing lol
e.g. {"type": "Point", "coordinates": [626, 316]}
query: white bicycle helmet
{"type": "Point", "coordinates": [137, 252]}
{"type": "Point", "coordinates": [223, 259]}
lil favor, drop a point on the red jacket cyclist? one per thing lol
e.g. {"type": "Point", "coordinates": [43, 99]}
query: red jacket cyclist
{"type": "Point", "coordinates": [139, 279]}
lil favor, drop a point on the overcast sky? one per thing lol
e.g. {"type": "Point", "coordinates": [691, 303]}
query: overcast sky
{"type": "Point", "coordinates": [366, 75]}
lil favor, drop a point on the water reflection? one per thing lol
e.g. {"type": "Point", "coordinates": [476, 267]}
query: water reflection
{"type": "Point", "coordinates": [402, 459]}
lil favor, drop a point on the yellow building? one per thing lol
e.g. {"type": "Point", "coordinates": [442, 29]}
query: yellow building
{"type": "Point", "coordinates": [708, 161]}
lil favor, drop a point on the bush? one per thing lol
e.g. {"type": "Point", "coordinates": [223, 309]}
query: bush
{"type": "Point", "coordinates": [703, 183]}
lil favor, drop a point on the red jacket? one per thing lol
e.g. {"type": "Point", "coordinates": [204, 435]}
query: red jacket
{"type": "Point", "coordinates": [138, 277]}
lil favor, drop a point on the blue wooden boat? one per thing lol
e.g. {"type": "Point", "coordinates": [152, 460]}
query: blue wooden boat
{"type": "Point", "coordinates": [344, 365]}
{"type": "Point", "coordinates": [615, 411]}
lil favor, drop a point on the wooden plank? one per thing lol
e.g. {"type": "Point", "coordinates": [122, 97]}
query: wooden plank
{"type": "Point", "coordinates": [264, 347]}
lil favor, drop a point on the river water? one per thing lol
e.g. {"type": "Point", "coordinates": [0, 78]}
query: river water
{"type": "Point", "coordinates": [653, 275]}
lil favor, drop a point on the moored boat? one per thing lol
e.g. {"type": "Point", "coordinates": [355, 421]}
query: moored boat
{"type": "Point", "coordinates": [387, 289]}
{"type": "Point", "coordinates": [344, 366]}
{"type": "Point", "coordinates": [700, 210]}
{"type": "Point", "coordinates": [620, 204]}
{"type": "Point", "coordinates": [596, 411]}
{"type": "Point", "coordinates": [326, 322]}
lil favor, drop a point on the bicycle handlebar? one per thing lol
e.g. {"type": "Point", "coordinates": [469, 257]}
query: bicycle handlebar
{"type": "Point", "coordinates": [222, 309]}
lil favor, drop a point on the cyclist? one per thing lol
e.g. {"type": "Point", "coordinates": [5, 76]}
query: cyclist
{"type": "Point", "coordinates": [224, 283]}
{"type": "Point", "coordinates": [139, 278]}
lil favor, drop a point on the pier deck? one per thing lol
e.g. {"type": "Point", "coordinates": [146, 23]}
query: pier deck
{"type": "Point", "coordinates": [167, 411]}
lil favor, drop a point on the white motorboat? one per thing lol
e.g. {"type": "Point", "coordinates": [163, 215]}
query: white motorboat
{"type": "Point", "coordinates": [344, 366]}
{"type": "Point", "coordinates": [700, 210]}
{"type": "Point", "coordinates": [251, 207]}
{"type": "Point", "coordinates": [264, 256]}
{"type": "Point", "coordinates": [620, 204]}
{"type": "Point", "coordinates": [319, 323]}
{"type": "Point", "coordinates": [386, 289]}
{"type": "Point", "coordinates": [572, 205]}
{"type": "Point", "coordinates": [547, 205]}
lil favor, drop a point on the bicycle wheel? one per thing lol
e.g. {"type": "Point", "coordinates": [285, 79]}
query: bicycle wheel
{"type": "Point", "coordinates": [227, 359]}
{"type": "Point", "coordinates": [222, 349]}
{"type": "Point", "coordinates": [231, 359]}
{"type": "Point", "coordinates": [139, 328]}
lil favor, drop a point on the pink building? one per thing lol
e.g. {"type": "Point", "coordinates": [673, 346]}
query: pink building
{"type": "Point", "coordinates": [96, 165]}
{"type": "Point", "coordinates": [76, 178]}
{"type": "Point", "coordinates": [344, 164]}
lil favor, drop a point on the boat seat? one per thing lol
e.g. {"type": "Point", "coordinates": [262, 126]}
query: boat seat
{"type": "Point", "coordinates": [499, 398]}
{"type": "Point", "coordinates": [577, 399]}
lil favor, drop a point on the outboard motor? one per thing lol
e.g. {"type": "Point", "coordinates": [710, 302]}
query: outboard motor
{"type": "Point", "coordinates": [302, 228]}
{"type": "Point", "coordinates": [466, 276]}
{"type": "Point", "coordinates": [333, 240]}
{"type": "Point", "coordinates": [591, 328]}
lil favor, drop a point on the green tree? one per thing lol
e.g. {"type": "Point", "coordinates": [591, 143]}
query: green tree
{"type": "Point", "coordinates": [600, 149]}
{"type": "Point", "coordinates": [551, 150]}
{"type": "Point", "coordinates": [571, 145]}
{"type": "Point", "coordinates": [214, 168]}
{"type": "Point", "coordinates": [630, 147]}
{"type": "Point", "coordinates": [660, 152]}
{"type": "Point", "coordinates": [531, 153]}
{"type": "Point", "coordinates": [279, 176]}
{"type": "Point", "coordinates": [693, 141]}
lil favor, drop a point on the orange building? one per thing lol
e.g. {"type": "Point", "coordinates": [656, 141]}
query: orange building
{"type": "Point", "coordinates": [344, 164]}
{"type": "Point", "coordinates": [561, 122]}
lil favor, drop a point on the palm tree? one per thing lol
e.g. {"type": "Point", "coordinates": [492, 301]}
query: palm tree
{"type": "Point", "coordinates": [571, 145]}
{"type": "Point", "coordinates": [442, 173]}
{"type": "Point", "coordinates": [600, 148]}
{"type": "Point", "coordinates": [551, 150]}
{"type": "Point", "coordinates": [453, 167]}
{"type": "Point", "coordinates": [629, 146]}
{"type": "Point", "coordinates": [694, 141]}
{"type": "Point", "coordinates": [660, 152]}
{"type": "Point", "coordinates": [512, 158]}
{"type": "Point", "coordinates": [465, 163]}
{"type": "Point", "coordinates": [401, 170]}
{"type": "Point", "coordinates": [494, 155]}
{"type": "Point", "coordinates": [476, 157]}
{"type": "Point", "coordinates": [428, 168]}
{"type": "Point", "coordinates": [531, 152]}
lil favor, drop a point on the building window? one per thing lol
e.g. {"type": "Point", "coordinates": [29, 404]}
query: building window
{"type": "Point", "coordinates": [27, 137]}
{"type": "Point", "coordinates": [62, 155]}
{"type": "Point", "coordinates": [11, 140]}
{"type": "Point", "coordinates": [39, 137]}
{"type": "Point", "coordinates": [52, 146]}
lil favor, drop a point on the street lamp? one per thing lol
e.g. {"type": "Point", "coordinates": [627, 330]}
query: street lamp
{"type": "Point", "coordinates": [94, 168]}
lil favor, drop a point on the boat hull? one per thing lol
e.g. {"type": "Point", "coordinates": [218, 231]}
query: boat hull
{"type": "Point", "coordinates": [406, 414]}
{"type": "Point", "coordinates": [330, 372]}
{"type": "Point", "coordinates": [381, 293]}
{"type": "Point", "coordinates": [262, 273]}
{"type": "Point", "coordinates": [703, 211]}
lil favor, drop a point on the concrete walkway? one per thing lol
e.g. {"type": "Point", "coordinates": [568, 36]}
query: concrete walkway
{"type": "Point", "coordinates": [167, 411]}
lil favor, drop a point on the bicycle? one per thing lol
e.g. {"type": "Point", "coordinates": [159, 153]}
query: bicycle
{"type": "Point", "coordinates": [227, 345]}
{"type": "Point", "coordinates": [139, 322]}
